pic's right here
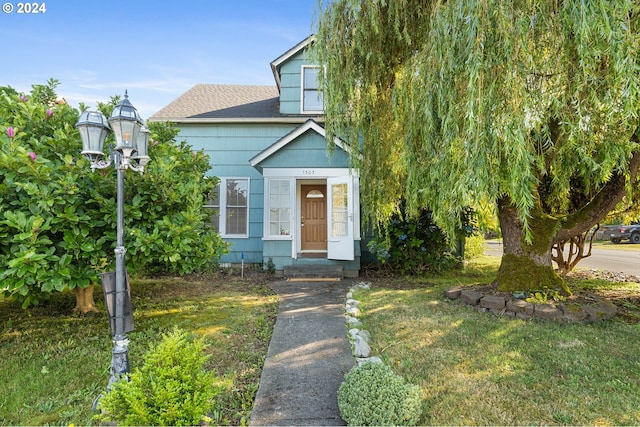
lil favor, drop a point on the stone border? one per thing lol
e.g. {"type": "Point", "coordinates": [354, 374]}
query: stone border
{"type": "Point", "coordinates": [358, 337]}
{"type": "Point", "coordinates": [486, 300]}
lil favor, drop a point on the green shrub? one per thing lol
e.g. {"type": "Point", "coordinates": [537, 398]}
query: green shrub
{"type": "Point", "coordinates": [372, 394]}
{"type": "Point", "coordinates": [414, 244]}
{"type": "Point", "coordinates": [171, 388]}
{"type": "Point", "coordinates": [474, 246]}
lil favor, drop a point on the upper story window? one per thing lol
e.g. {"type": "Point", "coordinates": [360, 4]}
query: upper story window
{"type": "Point", "coordinates": [312, 95]}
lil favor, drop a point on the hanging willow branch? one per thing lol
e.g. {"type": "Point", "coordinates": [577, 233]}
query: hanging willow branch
{"type": "Point", "coordinates": [459, 102]}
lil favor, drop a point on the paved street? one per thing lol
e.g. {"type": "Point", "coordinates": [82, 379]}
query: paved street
{"type": "Point", "coordinates": [601, 259]}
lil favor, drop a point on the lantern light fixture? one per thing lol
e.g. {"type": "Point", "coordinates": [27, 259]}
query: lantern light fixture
{"type": "Point", "coordinates": [94, 129]}
{"type": "Point", "coordinates": [130, 152]}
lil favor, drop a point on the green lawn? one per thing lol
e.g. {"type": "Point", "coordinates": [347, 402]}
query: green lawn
{"type": "Point", "coordinates": [53, 364]}
{"type": "Point", "coordinates": [474, 369]}
{"type": "Point", "coordinates": [622, 246]}
{"type": "Point", "coordinates": [480, 369]}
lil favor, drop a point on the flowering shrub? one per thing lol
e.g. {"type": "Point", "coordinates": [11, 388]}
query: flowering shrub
{"type": "Point", "coordinates": [373, 395]}
{"type": "Point", "coordinates": [58, 219]}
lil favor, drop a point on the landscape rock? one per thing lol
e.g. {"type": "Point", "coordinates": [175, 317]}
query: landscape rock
{"type": "Point", "coordinates": [547, 311]}
{"type": "Point", "coordinates": [600, 311]}
{"type": "Point", "coordinates": [573, 313]}
{"type": "Point", "coordinates": [484, 299]}
{"type": "Point", "coordinates": [454, 292]}
{"type": "Point", "coordinates": [365, 334]}
{"type": "Point", "coordinates": [493, 302]}
{"type": "Point", "coordinates": [352, 321]}
{"type": "Point", "coordinates": [360, 347]}
{"type": "Point", "coordinates": [470, 296]}
{"type": "Point", "coordinates": [523, 316]}
{"type": "Point", "coordinates": [518, 305]}
{"type": "Point", "coordinates": [372, 359]}
{"type": "Point", "coordinates": [362, 285]}
{"type": "Point", "coordinates": [353, 311]}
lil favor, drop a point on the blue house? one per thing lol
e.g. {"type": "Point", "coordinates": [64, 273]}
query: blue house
{"type": "Point", "coordinates": [286, 195]}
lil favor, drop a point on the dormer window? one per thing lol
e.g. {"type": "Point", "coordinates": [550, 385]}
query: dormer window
{"type": "Point", "coordinates": [312, 95]}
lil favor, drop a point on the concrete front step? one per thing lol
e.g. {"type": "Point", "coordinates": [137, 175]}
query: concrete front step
{"type": "Point", "coordinates": [313, 272]}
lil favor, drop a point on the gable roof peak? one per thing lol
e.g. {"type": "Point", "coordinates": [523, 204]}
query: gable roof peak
{"type": "Point", "coordinates": [276, 63]}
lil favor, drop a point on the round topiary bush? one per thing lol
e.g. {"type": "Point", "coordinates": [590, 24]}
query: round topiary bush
{"type": "Point", "coordinates": [372, 394]}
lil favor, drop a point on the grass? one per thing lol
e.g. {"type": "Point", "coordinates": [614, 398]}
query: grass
{"type": "Point", "coordinates": [622, 246]}
{"type": "Point", "coordinates": [474, 369]}
{"type": "Point", "coordinates": [53, 364]}
{"type": "Point", "coordinates": [607, 245]}
{"type": "Point", "coordinates": [479, 369]}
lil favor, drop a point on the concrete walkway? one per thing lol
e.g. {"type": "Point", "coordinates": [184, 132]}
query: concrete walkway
{"type": "Point", "coordinates": [308, 356]}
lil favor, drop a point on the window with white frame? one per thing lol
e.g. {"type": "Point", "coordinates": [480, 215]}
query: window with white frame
{"type": "Point", "coordinates": [279, 207]}
{"type": "Point", "coordinates": [212, 205]}
{"type": "Point", "coordinates": [230, 203]}
{"type": "Point", "coordinates": [312, 95]}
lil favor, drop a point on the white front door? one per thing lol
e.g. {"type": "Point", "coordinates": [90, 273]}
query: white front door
{"type": "Point", "coordinates": [340, 218]}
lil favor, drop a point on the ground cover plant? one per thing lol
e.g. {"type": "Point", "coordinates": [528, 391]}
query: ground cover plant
{"type": "Point", "coordinates": [373, 395]}
{"type": "Point", "coordinates": [53, 364]}
{"type": "Point", "coordinates": [480, 369]}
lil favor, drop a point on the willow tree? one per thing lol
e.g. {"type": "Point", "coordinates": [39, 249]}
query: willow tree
{"type": "Point", "coordinates": [531, 104]}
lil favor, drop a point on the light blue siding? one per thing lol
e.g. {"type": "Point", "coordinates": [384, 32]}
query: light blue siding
{"type": "Point", "coordinates": [230, 147]}
{"type": "Point", "coordinates": [290, 82]}
{"type": "Point", "coordinates": [308, 150]}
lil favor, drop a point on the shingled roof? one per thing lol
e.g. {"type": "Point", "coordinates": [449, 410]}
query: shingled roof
{"type": "Point", "coordinates": [224, 102]}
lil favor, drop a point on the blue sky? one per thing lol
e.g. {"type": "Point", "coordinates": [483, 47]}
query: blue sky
{"type": "Point", "coordinates": [156, 49]}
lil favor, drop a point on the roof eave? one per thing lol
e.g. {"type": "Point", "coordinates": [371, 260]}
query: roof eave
{"type": "Point", "coordinates": [197, 120]}
{"type": "Point", "coordinates": [275, 64]}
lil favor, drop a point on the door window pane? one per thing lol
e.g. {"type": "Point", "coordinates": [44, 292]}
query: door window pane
{"type": "Point", "coordinates": [339, 210]}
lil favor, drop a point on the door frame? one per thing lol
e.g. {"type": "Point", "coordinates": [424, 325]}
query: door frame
{"type": "Point", "coordinates": [322, 185]}
{"type": "Point", "coordinates": [309, 176]}
{"type": "Point", "coordinates": [298, 222]}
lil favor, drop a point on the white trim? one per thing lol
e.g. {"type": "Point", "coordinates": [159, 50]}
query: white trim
{"type": "Point", "coordinates": [357, 232]}
{"type": "Point", "coordinates": [341, 247]}
{"type": "Point", "coordinates": [291, 136]}
{"type": "Point", "coordinates": [302, 90]}
{"type": "Point", "coordinates": [276, 63]}
{"type": "Point", "coordinates": [307, 173]}
{"type": "Point", "coordinates": [222, 210]}
{"type": "Point", "coordinates": [249, 120]}
{"type": "Point", "coordinates": [267, 209]}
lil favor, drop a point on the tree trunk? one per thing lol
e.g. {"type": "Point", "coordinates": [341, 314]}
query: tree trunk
{"type": "Point", "coordinates": [575, 253]}
{"type": "Point", "coordinates": [84, 300]}
{"type": "Point", "coordinates": [526, 266]}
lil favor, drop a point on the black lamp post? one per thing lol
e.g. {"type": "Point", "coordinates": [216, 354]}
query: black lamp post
{"type": "Point", "coordinates": [130, 152]}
